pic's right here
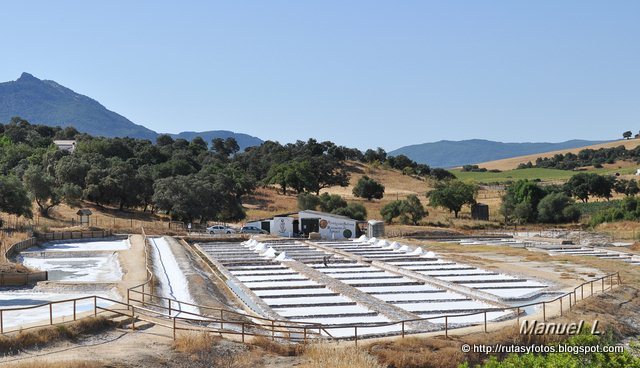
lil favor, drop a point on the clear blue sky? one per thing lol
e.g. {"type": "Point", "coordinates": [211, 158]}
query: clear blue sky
{"type": "Point", "coordinates": [360, 73]}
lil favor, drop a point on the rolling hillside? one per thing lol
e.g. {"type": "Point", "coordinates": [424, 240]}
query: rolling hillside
{"type": "Point", "coordinates": [513, 162]}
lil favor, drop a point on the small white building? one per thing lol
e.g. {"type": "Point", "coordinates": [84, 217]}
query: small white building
{"type": "Point", "coordinates": [328, 225]}
{"type": "Point", "coordinates": [65, 145]}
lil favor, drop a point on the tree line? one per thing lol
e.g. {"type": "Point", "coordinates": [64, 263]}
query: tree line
{"type": "Point", "coordinates": [189, 180]}
{"type": "Point", "coordinates": [586, 157]}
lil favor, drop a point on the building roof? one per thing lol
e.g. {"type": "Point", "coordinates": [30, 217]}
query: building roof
{"type": "Point", "coordinates": [318, 213]}
{"type": "Point", "coordinates": [84, 211]}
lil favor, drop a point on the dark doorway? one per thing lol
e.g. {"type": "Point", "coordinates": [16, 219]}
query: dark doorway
{"type": "Point", "coordinates": [266, 226]}
{"type": "Point", "coordinates": [310, 225]}
{"type": "Point", "coordinates": [296, 227]}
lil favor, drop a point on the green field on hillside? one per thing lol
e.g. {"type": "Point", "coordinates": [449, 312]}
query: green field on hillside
{"type": "Point", "coordinates": [531, 174]}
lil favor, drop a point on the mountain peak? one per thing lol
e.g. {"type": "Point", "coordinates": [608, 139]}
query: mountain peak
{"type": "Point", "coordinates": [26, 77]}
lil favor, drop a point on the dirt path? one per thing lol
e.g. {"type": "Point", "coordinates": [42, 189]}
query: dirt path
{"type": "Point", "coordinates": [132, 262]}
{"type": "Point", "coordinates": [145, 347]}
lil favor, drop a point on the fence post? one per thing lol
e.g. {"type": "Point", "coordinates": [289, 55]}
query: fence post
{"type": "Point", "coordinates": [133, 318]}
{"type": "Point", "coordinates": [485, 321]}
{"type": "Point", "coordinates": [221, 319]}
{"type": "Point", "coordinates": [50, 313]}
{"type": "Point", "coordinates": [403, 329]}
{"type": "Point", "coordinates": [74, 309]}
{"type": "Point", "coordinates": [242, 331]}
{"type": "Point", "coordinates": [143, 294]}
{"type": "Point", "coordinates": [273, 330]}
{"type": "Point", "coordinates": [446, 328]}
{"type": "Point", "coordinates": [169, 307]}
{"type": "Point", "coordinates": [603, 284]}
{"type": "Point", "coordinates": [582, 292]}
{"type": "Point", "coordinates": [591, 288]}
{"type": "Point", "coordinates": [304, 332]}
{"type": "Point", "coordinates": [1, 323]}
{"type": "Point", "coordinates": [174, 327]}
{"type": "Point", "coordinates": [355, 328]}
{"type": "Point", "coordinates": [544, 311]}
{"type": "Point", "coordinates": [95, 306]}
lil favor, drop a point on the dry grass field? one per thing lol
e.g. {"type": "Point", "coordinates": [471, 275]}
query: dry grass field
{"type": "Point", "coordinates": [269, 201]}
{"type": "Point", "coordinates": [512, 163]}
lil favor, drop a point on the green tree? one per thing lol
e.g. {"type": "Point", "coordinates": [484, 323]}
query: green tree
{"type": "Point", "coordinates": [391, 210]}
{"type": "Point", "coordinates": [42, 188]}
{"type": "Point", "coordinates": [556, 208]}
{"type": "Point", "coordinates": [308, 201]}
{"type": "Point", "coordinates": [452, 195]}
{"type": "Point", "coordinates": [520, 201]}
{"type": "Point", "coordinates": [412, 211]}
{"type": "Point", "coordinates": [331, 202]}
{"type": "Point", "coordinates": [14, 198]}
{"type": "Point", "coordinates": [627, 134]}
{"type": "Point", "coordinates": [368, 188]}
{"type": "Point", "coordinates": [355, 211]}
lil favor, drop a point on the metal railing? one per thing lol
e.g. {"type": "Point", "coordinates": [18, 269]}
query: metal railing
{"type": "Point", "coordinates": [169, 313]}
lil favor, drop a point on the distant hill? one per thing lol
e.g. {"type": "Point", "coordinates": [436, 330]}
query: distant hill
{"type": "Point", "coordinates": [49, 103]}
{"type": "Point", "coordinates": [473, 151]}
{"type": "Point", "coordinates": [244, 140]}
{"type": "Point", "coordinates": [513, 162]}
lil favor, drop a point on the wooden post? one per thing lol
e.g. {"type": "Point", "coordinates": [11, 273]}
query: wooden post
{"type": "Point", "coordinates": [169, 307]}
{"type": "Point", "coordinates": [242, 331]}
{"type": "Point", "coordinates": [591, 288]}
{"type": "Point", "coordinates": [1, 323]}
{"type": "Point", "coordinates": [50, 313]}
{"type": "Point", "coordinates": [273, 331]}
{"type": "Point", "coordinates": [74, 309]}
{"type": "Point", "coordinates": [485, 321]}
{"type": "Point", "coordinates": [603, 284]}
{"type": "Point", "coordinates": [582, 292]}
{"type": "Point", "coordinates": [446, 328]}
{"type": "Point", "coordinates": [355, 329]}
{"type": "Point", "coordinates": [544, 311]}
{"type": "Point", "coordinates": [560, 306]}
{"type": "Point", "coordinates": [128, 298]}
{"type": "Point", "coordinates": [174, 327]}
{"type": "Point", "coordinates": [143, 294]}
{"type": "Point", "coordinates": [403, 329]}
{"type": "Point", "coordinates": [221, 319]}
{"type": "Point", "coordinates": [95, 306]}
{"type": "Point", "coordinates": [133, 318]}
{"type": "Point", "coordinates": [304, 332]}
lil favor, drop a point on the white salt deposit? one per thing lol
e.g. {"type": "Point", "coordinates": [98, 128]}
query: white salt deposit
{"type": "Point", "coordinates": [372, 240]}
{"type": "Point", "coordinates": [362, 238]}
{"type": "Point", "coordinates": [80, 269]}
{"type": "Point", "coordinates": [283, 257]}
{"type": "Point", "coordinates": [173, 282]}
{"type": "Point", "coordinates": [74, 246]}
{"type": "Point", "coordinates": [269, 253]}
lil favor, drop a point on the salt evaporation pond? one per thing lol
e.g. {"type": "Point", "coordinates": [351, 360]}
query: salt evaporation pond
{"type": "Point", "coordinates": [78, 261]}
{"type": "Point", "coordinates": [78, 269]}
{"type": "Point", "coordinates": [25, 298]}
{"type": "Point", "coordinates": [68, 261]}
